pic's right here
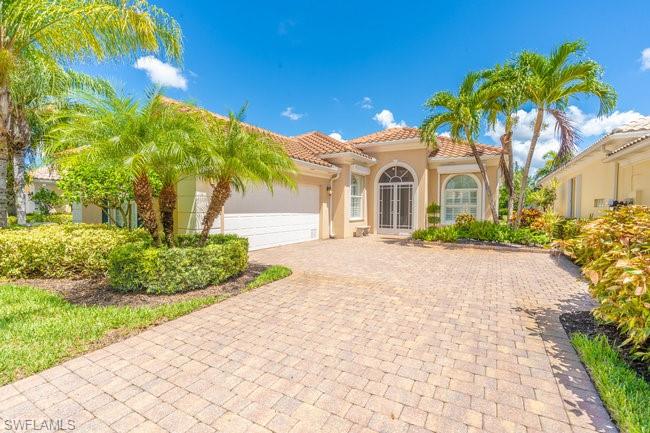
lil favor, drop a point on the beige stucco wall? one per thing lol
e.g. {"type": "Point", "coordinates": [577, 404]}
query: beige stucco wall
{"type": "Point", "coordinates": [343, 226]}
{"type": "Point", "coordinates": [596, 179]}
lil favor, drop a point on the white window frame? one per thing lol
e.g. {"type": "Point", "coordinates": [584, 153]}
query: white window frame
{"type": "Point", "coordinates": [479, 197]}
{"type": "Point", "coordinates": [360, 197]}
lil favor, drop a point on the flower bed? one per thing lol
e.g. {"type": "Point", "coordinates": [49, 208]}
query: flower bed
{"type": "Point", "coordinates": [140, 267]}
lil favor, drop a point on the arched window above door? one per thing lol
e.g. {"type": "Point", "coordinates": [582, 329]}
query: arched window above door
{"type": "Point", "coordinates": [396, 174]}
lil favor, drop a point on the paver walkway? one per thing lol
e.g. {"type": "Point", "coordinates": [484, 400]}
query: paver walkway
{"type": "Point", "coordinates": [368, 335]}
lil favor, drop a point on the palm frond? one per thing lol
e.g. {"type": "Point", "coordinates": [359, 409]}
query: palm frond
{"type": "Point", "coordinates": [567, 132]}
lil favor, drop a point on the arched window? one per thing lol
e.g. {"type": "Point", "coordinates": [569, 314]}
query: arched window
{"type": "Point", "coordinates": [396, 174]}
{"type": "Point", "coordinates": [460, 196]}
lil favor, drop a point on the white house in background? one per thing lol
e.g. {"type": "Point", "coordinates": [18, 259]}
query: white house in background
{"type": "Point", "coordinates": [616, 168]}
{"type": "Point", "coordinates": [43, 178]}
{"type": "Point", "coordinates": [378, 183]}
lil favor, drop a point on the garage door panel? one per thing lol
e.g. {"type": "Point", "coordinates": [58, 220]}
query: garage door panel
{"type": "Point", "coordinates": [281, 218]}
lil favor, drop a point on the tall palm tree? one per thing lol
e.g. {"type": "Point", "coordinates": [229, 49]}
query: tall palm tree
{"type": "Point", "coordinates": [42, 85]}
{"type": "Point", "coordinates": [150, 140]}
{"type": "Point", "coordinates": [505, 84]}
{"type": "Point", "coordinates": [73, 30]}
{"type": "Point", "coordinates": [462, 114]}
{"type": "Point", "coordinates": [237, 156]}
{"type": "Point", "coordinates": [552, 81]}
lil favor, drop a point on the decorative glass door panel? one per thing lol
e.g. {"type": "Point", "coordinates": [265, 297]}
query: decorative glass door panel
{"type": "Point", "coordinates": [395, 212]}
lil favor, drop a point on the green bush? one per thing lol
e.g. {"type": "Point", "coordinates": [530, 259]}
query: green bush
{"type": "Point", "coordinates": [61, 251]}
{"type": "Point", "coordinates": [615, 253]}
{"type": "Point", "coordinates": [139, 267]}
{"type": "Point", "coordinates": [53, 218]}
{"type": "Point", "coordinates": [485, 231]}
{"type": "Point", "coordinates": [193, 240]}
{"type": "Point", "coordinates": [528, 215]}
{"type": "Point", "coordinates": [439, 234]}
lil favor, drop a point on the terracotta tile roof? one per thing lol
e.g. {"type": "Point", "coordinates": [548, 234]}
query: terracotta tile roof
{"type": "Point", "coordinates": [44, 173]}
{"type": "Point", "coordinates": [311, 146]}
{"type": "Point", "coordinates": [392, 134]}
{"type": "Point", "coordinates": [448, 148]}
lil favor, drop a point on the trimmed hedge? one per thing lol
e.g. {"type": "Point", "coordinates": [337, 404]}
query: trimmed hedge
{"type": "Point", "coordinates": [140, 267]}
{"type": "Point", "coordinates": [61, 251]}
{"type": "Point", "coordinates": [614, 251]}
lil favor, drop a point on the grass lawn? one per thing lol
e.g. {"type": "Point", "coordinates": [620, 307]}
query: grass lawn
{"type": "Point", "coordinates": [625, 393]}
{"type": "Point", "coordinates": [39, 329]}
{"type": "Point", "coordinates": [270, 274]}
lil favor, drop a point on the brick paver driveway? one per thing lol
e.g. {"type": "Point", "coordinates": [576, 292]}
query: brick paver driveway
{"type": "Point", "coordinates": [367, 335]}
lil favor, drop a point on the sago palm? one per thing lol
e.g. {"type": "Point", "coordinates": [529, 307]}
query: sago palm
{"type": "Point", "coordinates": [72, 30]}
{"type": "Point", "coordinates": [552, 81]}
{"type": "Point", "coordinates": [461, 114]}
{"type": "Point", "coordinates": [150, 139]}
{"type": "Point", "coordinates": [236, 157]}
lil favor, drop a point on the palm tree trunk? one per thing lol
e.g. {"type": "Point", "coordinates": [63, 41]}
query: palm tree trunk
{"type": "Point", "coordinates": [167, 200]}
{"type": "Point", "coordinates": [220, 193]}
{"type": "Point", "coordinates": [4, 152]}
{"type": "Point", "coordinates": [11, 196]}
{"type": "Point", "coordinates": [506, 145]}
{"type": "Point", "coordinates": [19, 184]}
{"type": "Point", "coordinates": [529, 159]}
{"type": "Point", "coordinates": [486, 181]}
{"type": "Point", "coordinates": [143, 195]}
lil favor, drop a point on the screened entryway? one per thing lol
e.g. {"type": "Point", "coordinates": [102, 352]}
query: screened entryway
{"type": "Point", "coordinates": [395, 192]}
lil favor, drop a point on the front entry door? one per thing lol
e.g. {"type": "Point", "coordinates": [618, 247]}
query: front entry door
{"type": "Point", "coordinates": [395, 213]}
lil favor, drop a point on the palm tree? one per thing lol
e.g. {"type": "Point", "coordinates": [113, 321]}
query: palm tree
{"type": "Point", "coordinates": [42, 85]}
{"type": "Point", "coordinates": [153, 140]}
{"type": "Point", "coordinates": [462, 114]}
{"type": "Point", "coordinates": [552, 82]}
{"type": "Point", "coordinates": [506, 85]}
{"type": "Point", "coordinates": [235, 157]}
{"type": "Point", "coordinates": [73, 30]}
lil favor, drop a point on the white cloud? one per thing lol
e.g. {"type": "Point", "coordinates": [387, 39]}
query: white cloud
{"type": "Point", "coordinates": [290, 114]}
{"type": "Point", "coordinates": [366, 103]}
{"type": "Point", "coordinates": [444, 134]}
{"type": "Point", "coordinates": [588, 125]}
{"type": "Point", "coordinates": [645, 59]}
{"type": "Point", "coordinates": [386, 119]}
{"type": "Point", "coordinates": [336, 135]}
{"type": "Point", "coordinates": [161, 73]}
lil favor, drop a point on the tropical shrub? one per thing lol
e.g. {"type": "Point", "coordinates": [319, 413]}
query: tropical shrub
{"type": "Point", "coordinates": [485, 231]}
{"type": "Point", "coordinates": [464, 219]}
{"type": "Point", "coordinates": [528, 215]}
{"type": "Point", "coordinates": [61, 251]}
{"type": "Point", "coordinates": [615, 253]}
{"type": "Point", "coordinates": [440, 234]}
{"type": "Point", "coordinates": [140, 267]}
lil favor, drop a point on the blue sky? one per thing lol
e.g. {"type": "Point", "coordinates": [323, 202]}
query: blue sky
{"type": "Point", "coordinates": [333, 66]}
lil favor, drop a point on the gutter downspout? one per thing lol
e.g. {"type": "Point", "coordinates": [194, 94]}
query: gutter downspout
{"type": "Point", "coordinates": [329, 208]}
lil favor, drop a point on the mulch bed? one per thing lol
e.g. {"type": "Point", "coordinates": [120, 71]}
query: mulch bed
{"type": "Point", "coordinates": [584, 321]}
{"type": "Point", "coordinates": [99, 292]}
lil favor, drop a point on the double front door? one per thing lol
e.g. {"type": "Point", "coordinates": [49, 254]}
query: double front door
{"type": "Point", "coordinates": [395, 207]}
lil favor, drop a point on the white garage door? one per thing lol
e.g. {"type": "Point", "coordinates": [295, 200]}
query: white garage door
{"type": "Point", "coordinates": [267, 220]}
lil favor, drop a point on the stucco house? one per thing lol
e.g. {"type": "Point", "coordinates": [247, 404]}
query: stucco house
{"type": "Point", "coordinates": [44, 177]}
{"type": "Point", "coordinates": [615, 168]}
{"type": "Point", "coordinates": [378, 183]}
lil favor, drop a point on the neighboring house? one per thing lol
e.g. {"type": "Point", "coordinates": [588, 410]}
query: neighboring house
{"type": "Point", "coordinates": [43, 178]}
{"type": "Point", "coordinates": [381, 183]}
{"type": "Point", "coordinates": [616, 168]}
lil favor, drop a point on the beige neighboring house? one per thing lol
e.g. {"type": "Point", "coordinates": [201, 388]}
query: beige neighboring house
{"type": "Point", "coordinates": [616, 168]}
{"type": "Point", "coordinates": [378, 183]}
{"type": "Point", "coordinates": [43, 178]}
